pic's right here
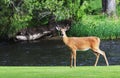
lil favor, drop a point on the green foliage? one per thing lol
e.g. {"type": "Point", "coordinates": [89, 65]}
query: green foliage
{"type": "Point", "coordinates": [4, 18]}
{"type": "Point", "coordinates": [66, 9]}
{"type": "Point", "coordinates": [18, 14]}
{"type": "Point", "coordinates": [56, 7]}
{"type": "Point", "coordinates": [118, 7]}
{"type": "Point", "coordinates": [17, 23]}
{"type": "Point", "coordinates": [24, 13]}
{"type": "Point", "coordinates": [94, 7]}
{"type": "Point", "coordinates": [100, 26]}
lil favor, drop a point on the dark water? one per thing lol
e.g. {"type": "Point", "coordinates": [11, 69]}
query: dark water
{"type": "Point", "coordinates": [53, 53]}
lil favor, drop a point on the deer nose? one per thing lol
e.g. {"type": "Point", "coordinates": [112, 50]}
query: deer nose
{"type": "Point", "coordinates": [61, 34]}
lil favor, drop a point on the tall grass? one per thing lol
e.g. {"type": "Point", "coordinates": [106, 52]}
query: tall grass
{"type": "Point", "coordinates": [101, 26]}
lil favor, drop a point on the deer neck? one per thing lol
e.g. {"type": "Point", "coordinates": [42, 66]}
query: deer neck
{"type": "Point", "coordinates": [65, 38]}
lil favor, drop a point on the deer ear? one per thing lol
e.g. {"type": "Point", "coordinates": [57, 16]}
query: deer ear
{"type": "Point", "coordinates": [58, 28]}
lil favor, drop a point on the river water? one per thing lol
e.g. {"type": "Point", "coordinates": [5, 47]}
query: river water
{"type": "Point", "coordinates": [53, 53]}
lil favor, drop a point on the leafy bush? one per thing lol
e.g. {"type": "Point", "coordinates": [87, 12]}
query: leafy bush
{"type": "Point", "coordinates": [118, 7]}
{"type": "Point", "coordinates": [100, 26]}
{"type": "Point", "coordinates": [18, 14]}
{"type": "Point", "coordinates": [24, 13]}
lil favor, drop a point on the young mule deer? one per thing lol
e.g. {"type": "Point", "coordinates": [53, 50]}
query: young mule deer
{"type": "Point", "coordinates": [83, 44]}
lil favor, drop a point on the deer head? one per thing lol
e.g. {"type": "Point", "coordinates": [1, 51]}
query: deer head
{"type": "Point", "coordinates": [63, 30]}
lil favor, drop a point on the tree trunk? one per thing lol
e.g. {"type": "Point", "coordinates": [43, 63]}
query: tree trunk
{"type": "Point", "coordinates": [104, 6]}
{"type": "Point", "coordinates": [111, 8]}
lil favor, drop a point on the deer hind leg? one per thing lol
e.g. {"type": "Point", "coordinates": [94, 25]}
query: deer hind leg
{"type": "Point", "coordinates": [103, 54]}
{"type": "Point", "coordinates": [74, 56]}
{"type": "Point", "coordinates": [97, 58]}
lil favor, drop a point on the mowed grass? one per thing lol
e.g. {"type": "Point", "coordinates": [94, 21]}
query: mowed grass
{"type": "Point", "coordinates": [60, 72]}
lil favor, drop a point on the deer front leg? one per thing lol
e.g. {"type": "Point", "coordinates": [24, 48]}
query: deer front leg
{"type": "Point", "coordinates": [97, 57]}
{"type": "Point", "coordinates": [71, 59]}
{"type": "Point", "coordinates": [74, 57]}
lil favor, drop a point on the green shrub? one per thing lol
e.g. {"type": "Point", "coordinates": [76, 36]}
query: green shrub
{"type": "Point", "coordinates": [105, 28]}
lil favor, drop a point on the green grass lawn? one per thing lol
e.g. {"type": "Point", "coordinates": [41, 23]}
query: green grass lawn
{"type": "Point", "coordinates": [60, 72]}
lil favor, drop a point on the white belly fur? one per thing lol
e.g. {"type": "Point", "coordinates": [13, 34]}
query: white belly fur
{"type": "Point", "coordinates": [84, 49]}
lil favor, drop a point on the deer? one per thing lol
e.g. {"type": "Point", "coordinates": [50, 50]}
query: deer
{"type": "Point", "coordinates": [82, 44]}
